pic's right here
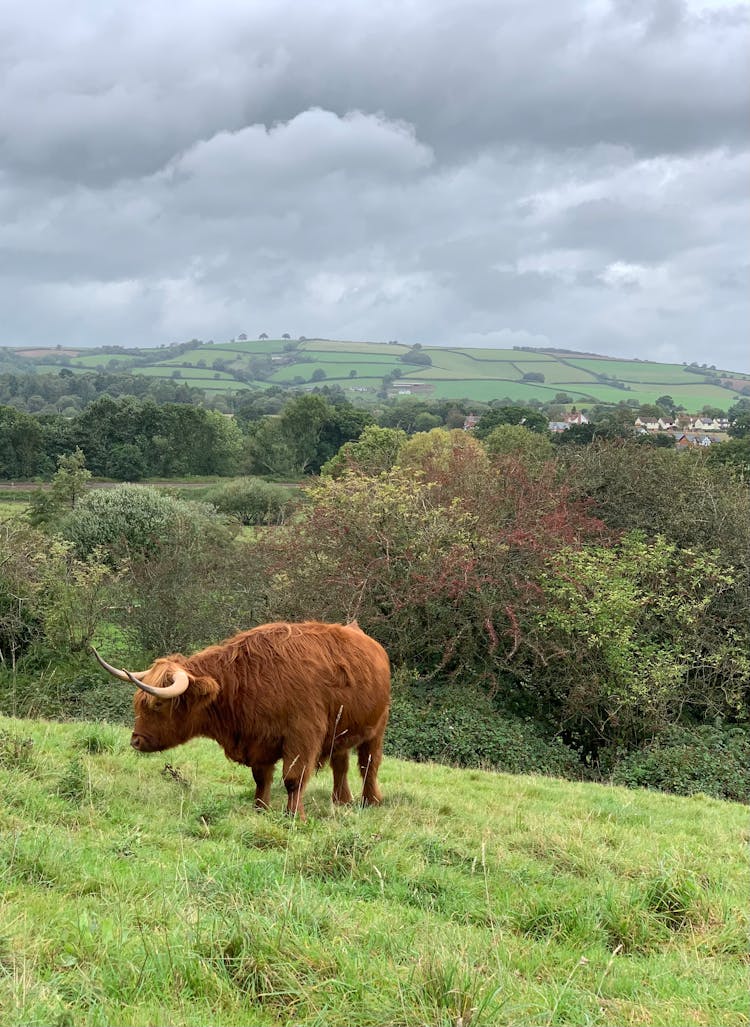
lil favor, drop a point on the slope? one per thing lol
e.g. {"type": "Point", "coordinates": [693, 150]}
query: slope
{"type": "Point", "coordinates": [141, 890]}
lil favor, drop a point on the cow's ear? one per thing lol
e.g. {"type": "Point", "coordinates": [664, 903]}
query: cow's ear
{"type": "Point", "coordinates": [204, 686]}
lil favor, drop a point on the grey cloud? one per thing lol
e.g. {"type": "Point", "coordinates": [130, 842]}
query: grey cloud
{"type": "Point", "coordinates": [622, 231]}
{"type": "Point", "coordinates": [428, 171]}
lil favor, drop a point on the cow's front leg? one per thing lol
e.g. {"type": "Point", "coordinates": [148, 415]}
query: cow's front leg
{"type": "Point", "coordinates": [297, 769]}
{"type": "Point", "coordinates": [263, 776]}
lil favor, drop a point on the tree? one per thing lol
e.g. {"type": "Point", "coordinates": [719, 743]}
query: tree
{"type": "Point", "coordinates": [740, 426]}
{"type": "Point", "coordinates": [666, 403]}
{"type": "Point", "coordinates": [375, 451]}
{"type": "Point", "coordinates": [21, 453]}
{"type": "Point", "coordinates": [416, 355]}
{"type": "Point", "coordinates": [532, 448]}
{"type": "Point", "coordinates": [650, 412]}
{"type": "Point", "coordinates": [531, 419]}
{"type": "Point", "coordinates": [70, 482]}
{"type": "Point", "coordinates": [733, 453]}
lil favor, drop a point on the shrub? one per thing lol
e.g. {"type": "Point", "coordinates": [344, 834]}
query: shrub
{"type": "Point", "coordinates": [252, 501]}
{"type": "Point", "coordinates": [375, 451]}
{"type": "Point", "coordinates": [74, 690]}
{"type": "Point", "coordinates": [49, 598]}
{"type": "Point", "coordinates": [464, 727]}
{"type": "Point", "coordinates": [441, 570]}
{"type": "Point", "coordinates": [183, 598]}
{"type": "Point", "coordinates": [136, 521]}
{"type": "Point", "coordinates": [633, 641]}
{"type": "Point", "coordinates": [687, 760]}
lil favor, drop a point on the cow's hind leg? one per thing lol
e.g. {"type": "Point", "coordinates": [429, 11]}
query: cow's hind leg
{"type": "Point", "coordinates": [370, 757]}
{"type": "Point", "coordinates": [263, 776]}
{"type": "Point", "coordinates": [340, 767]}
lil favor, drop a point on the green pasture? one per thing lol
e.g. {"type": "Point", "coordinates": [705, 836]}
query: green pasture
{"type": "Point", "coordinates": [336, 370]}
{"type": "Point", "coordinates": [100, 360]}
{"type": "Point", "coordinates": [554, 372]}
{"type": "Point", "coordinates": [482, 355]}
{"type": "Point", "coordinates": [448, 363]}
{"type": "Point", "coordinates": [336, 346]}
{"type": "Point", "coordinates": [456, 372]}
{"type": "Point", "coordinates": [223, 384]}
{"type": "Point", "coordinates": [484, 390]}
{"type": "Point", "coordinates": [146, 890]}
{"type": "Point", "coordinates": [253, 347]}
{"type": "Point", "coordinates": [692, 397]}
{"type": "Point", "coordinates": [13, 504]}
{"type": "Point", "coordinates": [190, 356]}
{"type": "Point", "coordinates": [186, 373]}
{"type": "Point", "coordinates": [382, 360]}
{"type": "Point", "coordinates": [636, 370]}
{"type": "Point", "coordinates": [82, 364]}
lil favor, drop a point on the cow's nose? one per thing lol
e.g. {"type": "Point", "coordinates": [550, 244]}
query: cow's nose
{"type": "Point", "coordinates": [135, 741]}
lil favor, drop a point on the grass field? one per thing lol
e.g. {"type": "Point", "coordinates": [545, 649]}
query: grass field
{"type": "Point", "coordinates": [146, 890]}
{"type": "Point", "coordinates": [456, 372]}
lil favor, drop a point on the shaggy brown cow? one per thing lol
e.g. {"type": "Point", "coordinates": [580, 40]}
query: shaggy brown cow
{"type": "Point", "coordinates": [304, 693]}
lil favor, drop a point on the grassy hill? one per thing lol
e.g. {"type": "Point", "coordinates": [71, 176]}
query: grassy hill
{"type": "Point", "coordinates": [454, 372]}
{"type": "Point", "coordinates": [145, 890]}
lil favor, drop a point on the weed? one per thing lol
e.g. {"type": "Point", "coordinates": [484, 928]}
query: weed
{"type": "Point", "coordinates": [16, 753]}
{"type": "Point", "coordinates": [75, 784]}
{"type": "Point", "coordinates": [176, 775]}
{"type": "Point", "coordinates": [101, 738]}
{"type": "Point", "coordinates": [676, 898]}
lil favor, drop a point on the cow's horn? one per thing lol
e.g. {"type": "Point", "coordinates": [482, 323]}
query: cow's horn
{"type": "Point", "coordinates": [179, 684]}
{"type": "Point", "coordinates": [121, 674]}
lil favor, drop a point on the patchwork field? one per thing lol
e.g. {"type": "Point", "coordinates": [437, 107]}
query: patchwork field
{"type": "Point", "coordinates": [454, 372]}
{"type": "Point", "coordinates": [146, 890]}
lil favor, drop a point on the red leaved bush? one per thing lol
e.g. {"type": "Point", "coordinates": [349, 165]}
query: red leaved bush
{"type": "Point", "coordinates": [439, 559]}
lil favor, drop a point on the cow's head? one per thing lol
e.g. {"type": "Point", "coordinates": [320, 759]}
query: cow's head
{"type": "Point", "coordinates": [169, 702]}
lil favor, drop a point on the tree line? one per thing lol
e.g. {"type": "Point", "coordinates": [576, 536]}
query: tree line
{"type": "Point", "coordinates": [275, 433]}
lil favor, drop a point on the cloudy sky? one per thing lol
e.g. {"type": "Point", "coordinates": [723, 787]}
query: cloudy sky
{"type": "Point", "coordinates": [485, 172]}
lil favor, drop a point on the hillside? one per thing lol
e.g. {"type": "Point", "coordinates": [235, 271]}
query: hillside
{"type": "Point", "coordinates": [143, 890]}
{"type": "Point", "coordinates": [447, 372]}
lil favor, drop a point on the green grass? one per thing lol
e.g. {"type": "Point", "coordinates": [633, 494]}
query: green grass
{"type": "Point", "coordinates": [13, 504]}
{"type": "Point", "coordinates": [637, 371]}
{"type": "Point", "coordinates": [146, 890]}
{"type": "Point", "coordinates": [456, 372]}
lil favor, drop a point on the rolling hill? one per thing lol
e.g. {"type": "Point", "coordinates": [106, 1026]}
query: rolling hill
{"type": "Point", "coordinates": [430, 371]}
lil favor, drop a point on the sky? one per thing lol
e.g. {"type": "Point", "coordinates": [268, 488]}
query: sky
{"type": "Point", "coordinates": [451, 172]}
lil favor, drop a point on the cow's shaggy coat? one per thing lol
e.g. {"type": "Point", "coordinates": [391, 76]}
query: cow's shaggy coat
{"type": "Point", "coordinates": [302, 693]}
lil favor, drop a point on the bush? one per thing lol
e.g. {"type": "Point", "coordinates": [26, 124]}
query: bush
{"type": "Point", "coordinates": [441, 570]}
{"type": "Point", "coordinates": [74, 690]}
{"type": "Point", "coordinates": [252, 501]}
{"type": "Point", "coordinates": [135, 521]}
{"type": "Point", "coordinates": [49, 599]}
{"type": "Point", "coordinates": [464, 727]}
{"type": "Point", "coordinates": [185, 598]}
{"type": "Point", "coordinates": [634, 642]}
{"type": "Point", "coordinates": [707, 759]}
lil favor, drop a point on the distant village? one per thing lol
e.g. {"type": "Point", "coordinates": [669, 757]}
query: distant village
{"type": "Point", "coordinates": [686, 430]}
